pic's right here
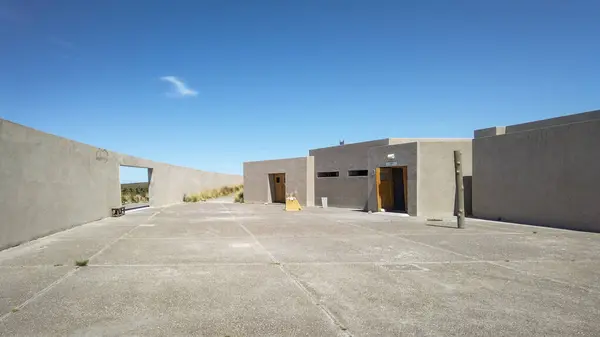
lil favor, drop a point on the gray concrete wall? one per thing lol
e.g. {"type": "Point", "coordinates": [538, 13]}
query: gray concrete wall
{"type": "Point", "coordinates": [406, 155]}
{"type": "Point", "coordinates": [547, 176]}
{"type": "Point", "coordinates": [169, 183]}
{"type": "Point", "coordinates": [343, 191]}
{"type": "Point", "coordinates": [562, 120]}
{"type": "Point", "coordinates": [49, 183]}
{"type": "Point", "coordinates": [545, 123]}
{"type": "Point", "coordinates": [436, 178]}
{"type": "Point", "coordinates": [310, 181]}
{"type": "Point", "coordinates": [299, 173]}
{"type": "Point", "coordinates": [488, 132]}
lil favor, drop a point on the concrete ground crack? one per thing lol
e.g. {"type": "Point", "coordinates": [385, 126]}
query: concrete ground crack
{"type": "Point", "coordinates": [68, 274]}
{"type": "Point", "coordinates": [474, 259]}
{"type": "Point", "coordinates": [314, 300]}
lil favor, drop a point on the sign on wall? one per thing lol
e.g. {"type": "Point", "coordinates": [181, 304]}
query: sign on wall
{"type": "Point", "coordinates": [391, 160]}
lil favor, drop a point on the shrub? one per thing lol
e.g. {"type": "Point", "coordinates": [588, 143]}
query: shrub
{"type": "Point", "coordinates": [212, 194]}
{"type": "Point", "coordinates": [81, 263]}
{"type": "Point", "coordinates": [239, 197]}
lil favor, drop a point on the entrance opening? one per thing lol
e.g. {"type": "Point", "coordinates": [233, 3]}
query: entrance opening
{"type": "Point", "coordinates": [135, 186]}
{"type": "Point", "coordinates": [277, 187]}
{"type": "Point", "coordinates": [392, 189]}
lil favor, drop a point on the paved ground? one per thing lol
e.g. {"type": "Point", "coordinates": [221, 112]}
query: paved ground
{"type": "Point", "coordinates": [215, 269]}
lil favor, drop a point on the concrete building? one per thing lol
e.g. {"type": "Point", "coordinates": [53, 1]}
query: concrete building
{"type": "Point", "coordinates": [543, 173]}
{"type": "Point", "coordinates": [415, 176]}
{"type": "Point", "coordinates": [272, 180]}
{"type": "Point", "coordinates": [49, 183]}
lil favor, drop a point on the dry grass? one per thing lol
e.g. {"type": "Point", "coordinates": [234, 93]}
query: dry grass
{"type": "Point", "coordinates": [212, 194]}
{"type": "Point", "coordinates": [132, 197]}
{"type": "Point", "coordinates": [134, 193]}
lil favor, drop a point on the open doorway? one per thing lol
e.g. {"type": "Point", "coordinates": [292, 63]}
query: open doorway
{"type": "Point", "coordinates": [392, 189]}
{"type": "Point", "coordinates": [277, 187]}
{"type": "Point", "coordinates": [135, 186]}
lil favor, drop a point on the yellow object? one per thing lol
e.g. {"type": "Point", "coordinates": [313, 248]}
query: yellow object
{"type": "Point", "coordinates": [292, 205]}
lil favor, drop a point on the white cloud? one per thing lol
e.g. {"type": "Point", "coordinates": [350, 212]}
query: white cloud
{"type": "Point", "coordinates": [180, 89]}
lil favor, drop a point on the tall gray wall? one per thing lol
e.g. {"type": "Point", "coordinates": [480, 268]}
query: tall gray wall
{"type": "Point", "coordinates": [299, 179]}
{"type": "Point", "coordinates": [562, 120]}
{"type": "Point", "coordinates": [547, 176]}
{"type": "Point", "coordinates": [437, 181]}
{"type": "Point", "coordinates": [49, 183]}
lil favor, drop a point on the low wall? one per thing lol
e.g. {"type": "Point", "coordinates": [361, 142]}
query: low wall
{"type": "Point", "coordinates": [299, 179]}
{"type": "Point", "coordinates": [50, 183]}
{"type": "Point", "coordinates": [547, 176]}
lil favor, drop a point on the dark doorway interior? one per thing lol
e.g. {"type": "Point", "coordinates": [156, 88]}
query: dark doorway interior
{"type": "Point", "coordinates": [399, 189]}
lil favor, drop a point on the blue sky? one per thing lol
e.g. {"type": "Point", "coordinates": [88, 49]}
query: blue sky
{"type": "Point", "coordinates": [271, 79]}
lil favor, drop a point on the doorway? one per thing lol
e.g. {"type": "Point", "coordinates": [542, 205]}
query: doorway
{"type": "Point", "coordinates": [392, 189]}
{"type": "Point", "coordinates": [135, 186]}
{"type": "Point", "coordinates": [277, 182]}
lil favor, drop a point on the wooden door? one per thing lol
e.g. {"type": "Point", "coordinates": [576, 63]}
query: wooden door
{"type": "Point", "coordinates": [279, 182]}
{"type": "Point", "coordinates": [385, 188]}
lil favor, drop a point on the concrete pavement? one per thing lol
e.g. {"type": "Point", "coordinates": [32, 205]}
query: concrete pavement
{"type": "Point", "coordinates": [214, 269]}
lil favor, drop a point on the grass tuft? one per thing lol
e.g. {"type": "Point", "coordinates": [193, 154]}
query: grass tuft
{"type": "Point", "coordinates": [82, 263]}
{"type": "Point", "coordinates": [14, 310]}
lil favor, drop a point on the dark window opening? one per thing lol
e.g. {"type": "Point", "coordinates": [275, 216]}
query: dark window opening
{"type": "Point", "coordinates": [358, 173]}
{"type": "Point", "coordinates": [328, 174]}
{"type": "Point", "coordinates": [277, 180]}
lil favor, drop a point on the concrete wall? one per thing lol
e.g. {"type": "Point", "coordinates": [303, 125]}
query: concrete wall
{"type": "Point", "coordinates": [49, 183]}
{"type": "Point", "coordinates": [406, 155]}
{"type": "Point", "coordinates": [299, 179]}
{"type": "Point", "coordinates": [430, 177]}
{"type": "Point", "coordinates": [488, 132]}
{"type": "Point", "coordinates": [547, 176]}
{"type": "Point", "coordinates": [562, 120]}
{"type": "Point", "coordinates": [343, 191]}
{"type": "Point", "coordinates": [169, 183]}
{"type": "Point", "coordinates": [346, 191]}
{"type": "Point", "coordinates": [436, 178]}
{"type": "Point", "coordinates": [545, 123]}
